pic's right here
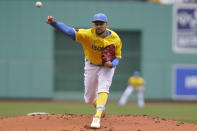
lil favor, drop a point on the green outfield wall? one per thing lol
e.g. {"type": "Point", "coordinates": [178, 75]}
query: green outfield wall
{"type": "Point", "coordinates": [32, 61]}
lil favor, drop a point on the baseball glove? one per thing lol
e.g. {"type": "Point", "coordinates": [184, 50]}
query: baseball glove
{"type": "Point", "coordinates": [108, 53]}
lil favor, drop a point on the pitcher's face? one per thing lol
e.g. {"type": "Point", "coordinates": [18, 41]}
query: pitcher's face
{"type": "Point", "coordinates": [100, 27]}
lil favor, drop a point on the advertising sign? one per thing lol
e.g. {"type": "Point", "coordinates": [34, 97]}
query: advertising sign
{"type": "Point", "coordinates": [185, 82]}
{"type": "Point", "coordinates": [185, 28]}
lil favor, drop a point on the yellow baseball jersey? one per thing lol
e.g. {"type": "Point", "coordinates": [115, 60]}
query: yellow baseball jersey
{"type": "Point", "coordinates": [136, 81]}
{"type": "Point", "coordinates": [93, 44]}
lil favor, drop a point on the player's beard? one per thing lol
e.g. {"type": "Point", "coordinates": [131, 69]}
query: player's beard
{"type": "Point", "coordinates": [99, 32]}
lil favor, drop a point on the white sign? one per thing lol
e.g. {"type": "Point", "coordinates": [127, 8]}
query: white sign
{"type": "Point", "coordinates": [191, 82]}
{"type": "Point", "coordinates": [185, 28]}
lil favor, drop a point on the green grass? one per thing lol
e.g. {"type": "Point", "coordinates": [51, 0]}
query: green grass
{"type": "Point", "coordinates": [179, 112]}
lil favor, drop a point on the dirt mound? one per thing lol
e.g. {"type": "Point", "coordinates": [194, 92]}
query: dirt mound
{"type": "Point", "coordinates": [70, 122]}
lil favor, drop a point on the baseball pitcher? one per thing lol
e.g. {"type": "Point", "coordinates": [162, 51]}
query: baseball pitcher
{"type": "Point", "coordinates": [135, 84]}
{"type": "Point", "coordinates": [102, 49]}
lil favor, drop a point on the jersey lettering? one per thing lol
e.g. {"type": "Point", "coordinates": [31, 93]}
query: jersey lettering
{"type": "Point", "coordinates": [94, 47]}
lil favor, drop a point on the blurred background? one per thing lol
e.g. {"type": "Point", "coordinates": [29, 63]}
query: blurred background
{"type": "Point", "coordinates": [159, 40]}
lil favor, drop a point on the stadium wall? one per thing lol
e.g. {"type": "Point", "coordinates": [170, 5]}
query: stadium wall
{"type": "Point", "coordinates": [27, 44]}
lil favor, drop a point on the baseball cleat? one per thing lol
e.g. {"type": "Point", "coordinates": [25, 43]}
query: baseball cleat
{"type": "Point", "coordinates": [95, 122]}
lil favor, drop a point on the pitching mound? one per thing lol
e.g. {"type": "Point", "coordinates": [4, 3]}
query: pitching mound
{"type": "Point", "coordinates": [70, 122]}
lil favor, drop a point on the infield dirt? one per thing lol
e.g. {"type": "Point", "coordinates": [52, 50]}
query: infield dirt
{"type": "Point", "coordinates": [72, 122]}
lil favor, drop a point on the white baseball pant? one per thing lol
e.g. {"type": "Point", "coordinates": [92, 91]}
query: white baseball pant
{"type": "Point", "coordinates": [96, 79]}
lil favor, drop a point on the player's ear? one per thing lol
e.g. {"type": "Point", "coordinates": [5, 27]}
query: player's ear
{"type": "Point", "coordinates": [93, 24]}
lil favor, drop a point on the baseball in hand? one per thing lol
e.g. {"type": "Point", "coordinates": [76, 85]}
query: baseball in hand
{"type": "Point", "coordinates": [38, 4]}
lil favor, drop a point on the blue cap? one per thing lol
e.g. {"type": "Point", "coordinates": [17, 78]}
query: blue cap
{"type": "Point", "coordinates": [137, 74]}
{"type": "Point", "coordinates": [100, 17]}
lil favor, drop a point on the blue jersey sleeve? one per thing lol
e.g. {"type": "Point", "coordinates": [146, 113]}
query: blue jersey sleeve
{"type": "Point", "coordinates": [70, 32]}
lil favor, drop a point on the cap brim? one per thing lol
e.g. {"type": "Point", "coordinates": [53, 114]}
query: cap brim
{"type": "Point", "coordinates": [98, 21]}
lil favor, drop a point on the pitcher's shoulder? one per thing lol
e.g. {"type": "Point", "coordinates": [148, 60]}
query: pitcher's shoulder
{"type": "Point", "coordinates": [114, 34]}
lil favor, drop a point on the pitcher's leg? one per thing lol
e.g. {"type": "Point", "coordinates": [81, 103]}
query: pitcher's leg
{"type": "Point", "coordinates": [124, 98]}
{"type": "Point", "coordinates": [104, 82]}
{"type": "Point", "coordinates": [105, 76]}
{"type": "Point", "coordinates": [100, 102]}
{"type": "Point", "coordinates": [90, 83]}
